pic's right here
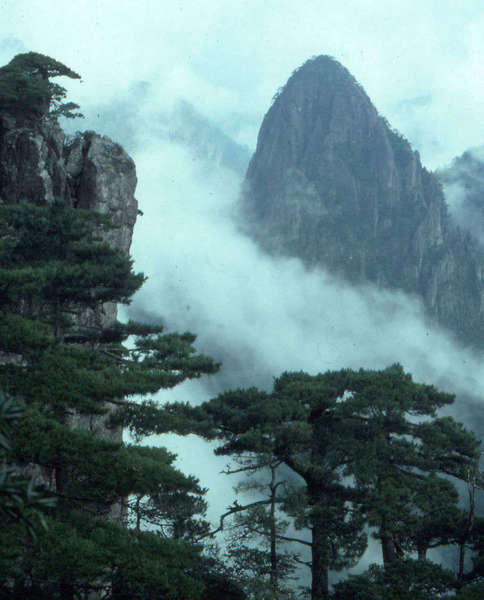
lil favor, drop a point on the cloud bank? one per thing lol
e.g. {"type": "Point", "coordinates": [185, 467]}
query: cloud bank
{"type": "Point", "coordinates": [261, 316]}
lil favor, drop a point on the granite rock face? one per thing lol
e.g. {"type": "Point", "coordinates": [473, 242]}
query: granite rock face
{"type": "Point", "coordinates": [332, 183]}
{"type": "Point", "coordinates": [32, 166]}
{"type": "Point", "coordinates": [102, 177]}
{"type": "Point", "coordinates": [39, 164]}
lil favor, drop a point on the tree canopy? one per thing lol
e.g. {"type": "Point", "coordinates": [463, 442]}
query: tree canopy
{"type": "Point", "coordinates": [63, 358]}
{"type": "Point", "coordinates": [369, 450]}
{"type": "Point", "coordinates": [25, 86]}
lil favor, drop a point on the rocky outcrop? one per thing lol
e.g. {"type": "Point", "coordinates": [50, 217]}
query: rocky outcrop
{"type": "Point", "coordinates": [32, 167]}
{"type": "Point", "coordinates": [39, 164]}
{"type": "Point", "coordinates": [102, 177]}
{"type": "Point", "coordinates": [331, 183]}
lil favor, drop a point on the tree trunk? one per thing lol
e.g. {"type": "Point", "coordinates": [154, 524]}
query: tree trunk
{"type": "Point", "coordinates": [61, 480]}
{"type": "Point", "coordinates": [138, 514]}
{"type": "Point", "coordinates": [273, 574]}
{"type": "Point", "coordinates": [422, 552]}
{"type": "Point", "coordinates": [388, 547]}
{"type": "Point", "coordinates": [66, 591]}
{"type": "Point", "coordinates": [319, 566]}
{"type": "Point", "coordinates": [471, 487]}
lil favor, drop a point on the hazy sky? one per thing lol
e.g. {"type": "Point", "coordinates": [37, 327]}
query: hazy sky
{"type": "Point", "coordinates": [420, 63]}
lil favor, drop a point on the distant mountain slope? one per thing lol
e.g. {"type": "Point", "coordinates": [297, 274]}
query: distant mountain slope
{"type": "Point", "coordinates": [136, 117]}
{"type": "Point", "coordinates": [463, 183]}
{"type": "Point", "coordinates": [206, 140]}
{"type": "Point", "coordinates": [332, 183]}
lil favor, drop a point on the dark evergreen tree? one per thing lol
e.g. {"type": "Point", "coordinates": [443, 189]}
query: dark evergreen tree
{"type": "Point", "coordinates": [176, 508]}
{"type": "Point", "coordinates": [257, 542]}
{"type": "Point", "coordinates": [26, 89]}
{"type": "Point", "coordinates": [20, 503]}
{"type": "Point", "coordinates": [65, 359]}
{"type": "Point", "coordinates": [474, 591]}
{"type": "Point", "coordinates": [404, 578]}
{"type": "Point", "coordinates": [368, 446]}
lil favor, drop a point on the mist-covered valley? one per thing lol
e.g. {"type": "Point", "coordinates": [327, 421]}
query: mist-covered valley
{"type": "Point", "coordinates": [257, 314]}
{"type": "Point", "coordinates": [315, 239]}
{"type": "Point", "coordinates": [261, 315]}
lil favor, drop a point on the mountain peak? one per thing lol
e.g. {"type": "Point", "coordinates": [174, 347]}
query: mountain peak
{"type": "Point", "coordinates": [324, 69]}
{"type": "Point", "coordinates": [334, 185]}
{"type": "Point", "coordinates": [322, 124]}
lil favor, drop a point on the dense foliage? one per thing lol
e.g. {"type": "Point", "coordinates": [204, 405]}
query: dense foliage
{"type": "Point", "coordinates": [63, 358]}
{"type": "Point", "coordinates": [371, 455]}
{"type": "Point", "coordinates": [26, 89]}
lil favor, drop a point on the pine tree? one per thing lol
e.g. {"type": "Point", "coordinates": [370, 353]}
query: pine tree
{"type": "Point", "coordinates": [67, 363]}
{"type": "Point", "coordinates": [20, 503]}
{"type": "Point", "coordinates": [370, 450]}
{"type": "Point", "coordinates": [258, 531]}
{"type": "Point", "coordinates": [26, 89]}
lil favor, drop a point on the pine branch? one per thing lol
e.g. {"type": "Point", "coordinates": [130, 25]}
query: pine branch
{"type": "Point", "coordinates": [117, 357]}
{"type": "Point", "coordinates": [278, 536]}
{"type": "Point", "coordinates": [257, 467]}
{"type": "Point", "coordinates": [306, 563]}
{"type": "Point", "coordinates": [232, 510]}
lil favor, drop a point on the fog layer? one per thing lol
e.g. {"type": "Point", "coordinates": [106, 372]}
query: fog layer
{"type": "Point", "coordinates": [258, 315]}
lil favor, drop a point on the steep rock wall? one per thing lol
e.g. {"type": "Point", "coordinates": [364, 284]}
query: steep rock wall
{"type": "Point", "coordinates": [331, 183]}
{"type": "Point", "coordinates": [39, 164]}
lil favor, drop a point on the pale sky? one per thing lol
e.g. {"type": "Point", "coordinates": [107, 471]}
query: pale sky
{"type": "Point", "coordinates": [419, 60]}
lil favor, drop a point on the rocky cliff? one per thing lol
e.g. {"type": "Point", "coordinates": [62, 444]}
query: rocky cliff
{"type": "Point", "coordinates": [39, 163]}
{"type": "Point", "coordinates": [332, 183]}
